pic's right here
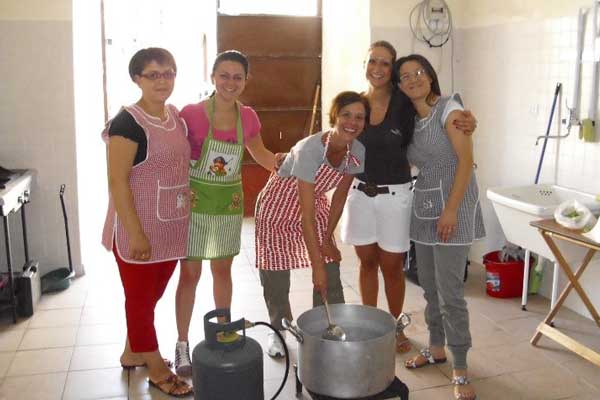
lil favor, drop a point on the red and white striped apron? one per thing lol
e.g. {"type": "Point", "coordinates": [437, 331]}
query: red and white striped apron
{"type": "Point", "coordinates": [160, 189]}
{"type": "Point", "coordinates": [279, 241]}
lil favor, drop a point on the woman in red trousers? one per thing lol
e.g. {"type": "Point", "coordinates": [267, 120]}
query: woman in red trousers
{"type": "Point", "coordinates": [148, 212]}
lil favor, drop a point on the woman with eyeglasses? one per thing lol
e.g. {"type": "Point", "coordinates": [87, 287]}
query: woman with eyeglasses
{"type": "Point", "coordinates": [446, 216]}
{"type": "Point", "coordinates": [147, 220]}
{"type": "Point", "coordinates": [295, 220]}
{"type": "Point", "coordinates": [377, 213]}
{"type": "Point", "coordinates": [220, 128]}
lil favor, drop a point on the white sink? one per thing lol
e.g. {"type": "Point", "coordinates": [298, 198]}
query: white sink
{"type": "Point", "coordinates": [517, 206]}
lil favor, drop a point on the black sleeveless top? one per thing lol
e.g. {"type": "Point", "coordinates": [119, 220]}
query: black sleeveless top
{"type": "Point", "coordinates": [386, 144]}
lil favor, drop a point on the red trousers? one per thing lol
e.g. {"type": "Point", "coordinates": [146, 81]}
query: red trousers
{"type": "Point", "coordinates": [144, 285]}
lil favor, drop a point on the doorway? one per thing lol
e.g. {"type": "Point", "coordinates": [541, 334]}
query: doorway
{"type": "Point", "coordinates": [187, 28]}
{"type": "Point", "coordinates": [284, 52]}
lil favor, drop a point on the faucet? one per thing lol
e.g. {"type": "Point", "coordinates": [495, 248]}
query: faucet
{"type": "Point", "coordinates": [555, 136]}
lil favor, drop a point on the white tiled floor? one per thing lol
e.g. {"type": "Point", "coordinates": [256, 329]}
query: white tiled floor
{"type": "Point", "coordinates": [70, 348]}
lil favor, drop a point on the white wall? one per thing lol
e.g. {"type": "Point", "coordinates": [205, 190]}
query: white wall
{"type": "Point", "coordinates": [510, 58]}
{"type": "Point", "coordinates": [475, 13]}
{"type": "Point", "coordinates": [346, 38]}
{"type": "Point", "coordinates": [390, 21]}
{"type": "Point", "coordinates": [37, 123]}
{"type": "Point", "coordinates": [348, 31]}
{"type": "Point", "coordinates": [89, 120]}
{"type": "Point", "coordinates": [35, 10]}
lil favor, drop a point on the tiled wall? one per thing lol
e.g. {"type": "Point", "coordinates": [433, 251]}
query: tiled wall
{"type": "Point", "coordinates": [508, 72]}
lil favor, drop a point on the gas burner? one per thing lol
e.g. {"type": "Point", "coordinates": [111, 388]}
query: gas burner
{"type": "Point", "coordinates": [14, 194]}
{"type": "Point", "coordinates": [5, 176]}
{"type": "Point", "coordinates": [397, 390]}
{"type": "Point", "coordinates": [14, 190]}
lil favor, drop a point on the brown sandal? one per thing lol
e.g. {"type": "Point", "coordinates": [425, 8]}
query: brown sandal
{"type": "Point", "coordinates": [403, 346]}
{"type": "Point", "coordinates": [168, 363]}
{"type": "Point", "coordinates": [174, 385]}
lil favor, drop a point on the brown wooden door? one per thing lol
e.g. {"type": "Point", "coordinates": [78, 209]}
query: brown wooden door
{"type": "Point", "coordinates": [285, 68]}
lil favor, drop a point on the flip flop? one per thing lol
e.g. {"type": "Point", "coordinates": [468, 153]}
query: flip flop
{"type": "Point", "coordinates": [128, 367]}
{"type": "Point", "coordinates": [174, 383]}
{"type": "Point", "coordinates": [429, 360]}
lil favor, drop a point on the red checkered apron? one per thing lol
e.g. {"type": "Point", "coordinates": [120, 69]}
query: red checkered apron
{"type": "Point", "coordinates": [160, 190]}
{"type": "Point", "coordinates": [279, 241]}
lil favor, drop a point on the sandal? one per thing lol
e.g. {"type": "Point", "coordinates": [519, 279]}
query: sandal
{"type": "Point", "coordinates": [462, 381]}
{"type": "Point", "coordinates": [429, 360]}
{"type": "Point", "coordinates": [173, 386]}
{"type": "Point", "coordinates": [403, 346]}
{"type": "Point", "coordinates": [128, 367]}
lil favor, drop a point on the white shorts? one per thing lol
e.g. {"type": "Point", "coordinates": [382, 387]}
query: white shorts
{"type": "Point", "coordinates": [383, 219]}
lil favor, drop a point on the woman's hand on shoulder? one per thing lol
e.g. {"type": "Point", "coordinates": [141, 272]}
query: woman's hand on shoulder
{"type": "Point", "coordinates": [465, 121]}
{"type": "Point", "coordinates": [279, 158]}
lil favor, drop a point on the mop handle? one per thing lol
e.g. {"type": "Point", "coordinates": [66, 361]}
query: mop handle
{"type": "Point", "coordinates": [539, 168]}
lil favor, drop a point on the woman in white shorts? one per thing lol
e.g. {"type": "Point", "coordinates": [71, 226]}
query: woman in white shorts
{"type": "Point", "coordinates": [376, 217]}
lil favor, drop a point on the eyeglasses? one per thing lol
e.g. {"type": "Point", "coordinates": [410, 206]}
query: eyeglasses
{"type": "Point", "coordinates": [408, 75]}
{"type": "Point", "coordinates": [155, 75]}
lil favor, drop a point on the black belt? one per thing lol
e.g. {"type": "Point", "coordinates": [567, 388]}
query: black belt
{"type": "Point", "coordinates": [371, 189]}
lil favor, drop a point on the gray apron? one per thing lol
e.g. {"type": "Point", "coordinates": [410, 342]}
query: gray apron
{"type": "Point", "coordinates": [432, 152]}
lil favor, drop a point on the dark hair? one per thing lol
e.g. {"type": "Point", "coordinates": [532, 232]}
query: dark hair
{"type": "Point", "coordinates": [404, 115]}
{"type": "Point", "coordinates": [143, 57]}
{"type": "Point", "coordinates": [386, 45]}
{"type": "Point", "coordinates": [342, 100]}
{"type": "Point", "coordinates": [435, 83]}
{"type": "Point", "coordinates": [232, 55]}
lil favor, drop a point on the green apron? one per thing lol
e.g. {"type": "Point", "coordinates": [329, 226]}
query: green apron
{"type": "Point", "coordinates": [217, 196]}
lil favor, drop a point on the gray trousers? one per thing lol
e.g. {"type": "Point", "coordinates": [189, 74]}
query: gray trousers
{"type": "Point", "coordinates": [276, 291]}
{"type": "Point", "coordinates": [441, 271]}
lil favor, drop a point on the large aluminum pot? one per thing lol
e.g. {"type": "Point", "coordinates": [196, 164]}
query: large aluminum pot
{"type": "Point", "coordinates": [361, 366]}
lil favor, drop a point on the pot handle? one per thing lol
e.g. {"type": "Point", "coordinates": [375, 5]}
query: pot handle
{"type": "Point", "coordinates": [402, 322]}
{"type": "Point", "coordinates": [288, 326]}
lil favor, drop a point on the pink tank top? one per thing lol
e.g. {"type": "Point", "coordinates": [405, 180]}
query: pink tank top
{"type": "Point", "coordinates": [160, 189]}
{"type": "Point", "coordinates": [197, 122]}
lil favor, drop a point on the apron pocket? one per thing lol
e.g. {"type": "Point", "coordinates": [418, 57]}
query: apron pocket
{"type": "Point", "coordinates": [217, 199]}
{"type": "Point", "coordinates": [172, 202]}
{"type": "Point", "coordinates": [428, 203]}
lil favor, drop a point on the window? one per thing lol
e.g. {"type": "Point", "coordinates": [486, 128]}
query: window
{"type": "Point", "coordinates": [281, 7]}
